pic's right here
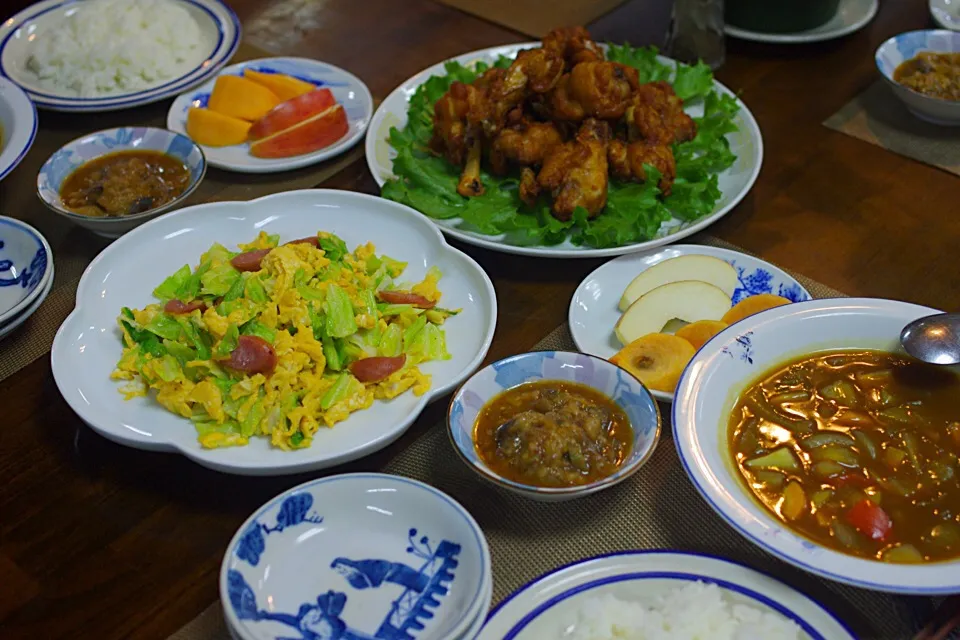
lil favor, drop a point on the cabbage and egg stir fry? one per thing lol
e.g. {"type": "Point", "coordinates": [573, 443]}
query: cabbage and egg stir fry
{"type": "Point", "coordinates": [279, 340]}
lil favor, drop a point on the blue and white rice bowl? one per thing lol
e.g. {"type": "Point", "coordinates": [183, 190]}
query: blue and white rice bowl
{"type": "Point", "coordinates": [731, 362]}
{"type": "Point", "coordinates": [357, 556]}
{"type": "Point", "coordinates": [594, 307]}
{"type": "Point", "coordinates": [26, 269]}
{"type": "Point", "coordinates": [18, 126]}
{"type": "Point", "coordinates": [612, 381]}
{"type": "Point", "coordinates": [548, 606]}
{"type": "Point", "coordinates": [74, 154]}
{"type": "Point", "coordinates": [905, 46]}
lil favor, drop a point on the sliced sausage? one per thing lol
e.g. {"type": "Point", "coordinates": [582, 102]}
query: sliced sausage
{"type": "Point", "coordinates": [314, 240]}
{"type": "Point", "coordinates": [252, 354]}
{"type": "Point", "coordinates": [176, 307]}
{"type": "Point", "coordinates": [405, 297]}
{"type": "Point", "coordinates": [249, 261]}
{"type": "Point", "coordinates": [377, 368]}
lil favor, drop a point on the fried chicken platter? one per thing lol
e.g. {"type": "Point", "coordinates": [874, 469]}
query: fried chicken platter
{"type": "Point", "coordinates": [568, 140]}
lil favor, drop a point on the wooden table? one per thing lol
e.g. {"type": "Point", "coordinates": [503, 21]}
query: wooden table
{"type": "Point", "coordinates": [102, 541]}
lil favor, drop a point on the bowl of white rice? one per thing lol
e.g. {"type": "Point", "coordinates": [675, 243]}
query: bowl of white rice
{"type": "Point", "coordinates": [101, 55]}
{"type": "Point", "coordinates": [660, 595]}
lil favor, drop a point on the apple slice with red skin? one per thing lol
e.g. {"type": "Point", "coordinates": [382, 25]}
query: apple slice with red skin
{"type": "Point", "coordinates": [301, 125]}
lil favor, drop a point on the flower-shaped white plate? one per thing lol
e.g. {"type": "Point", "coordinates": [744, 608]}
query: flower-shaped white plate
{"type": "Point", "coordinates": [946, 13]}
{"type": "Point", "coordinates": [735, 182]}
{"type": "Point", "coordinates": [594, 307]}
{"type": "Point", "coordinates": [545, 607]}
{"type": "Point", "coordinates": [347, 88]}
{"type": "Point", "coordinates": [88, 345]}
{"type": "Point", "coordinates": [18, 125]}
{"type": "Point", "coordinates": [852, 15]}
{"type": "Point", "coordinates": [732, 360]}
{"type": "Point", "coordinates": [369, 555]}
{"type": "Point", "coordinates": [219, 33]}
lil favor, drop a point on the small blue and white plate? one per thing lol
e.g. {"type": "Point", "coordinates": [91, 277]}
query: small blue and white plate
{"type": "Point", "coordinates": [25, 267]}
{"type": "Point", "coordinates": [18, 125]}
{"type": "Point", "coordinates": [905, 46]}
{"type": "Point", "coordinates": [357, 556]}
{"type": "Point", "coordinates": [548, 606]}
{"type": "Point", "coordinates": [946, 13]}
{"type": "Point", "coordinates": [7, 327]}
{"type": "Point", "coordinates": [594, 308]}
{"type": "Point", "coordinates": [219, 37]}
{"type": "Point", "coordinates": [348, 89]}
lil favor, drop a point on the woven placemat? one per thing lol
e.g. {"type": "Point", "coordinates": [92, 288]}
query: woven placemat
{"type": "Point", "coordinates": [877, 116]}
{"type": "Point", "coordinates": [74, 248]}
{"type": "Point", "coordinates": [657, 508]}
{"type": "Point", "coordinates": [535, 17]}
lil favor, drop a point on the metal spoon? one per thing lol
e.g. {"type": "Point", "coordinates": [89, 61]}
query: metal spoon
{"type": "Point", "coordinates": [934, 339]}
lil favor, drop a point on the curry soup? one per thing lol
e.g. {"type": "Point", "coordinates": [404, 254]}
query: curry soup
{"type": "Point", "coordinates": [933, 74]}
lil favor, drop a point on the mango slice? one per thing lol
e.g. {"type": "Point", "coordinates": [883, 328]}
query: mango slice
{"type": "Point", "coordinates": [285, 87]}
{"type": "Point", "coordinates": [697, 333]}
{"type": "Point", "coordinates": [241, 98]}
{"type": "Point", "coordinates": [753, 304]}
{"type": "Point", "coordinates": [215, 129]}
{"type": "Point", "coordinates": [656, 359]}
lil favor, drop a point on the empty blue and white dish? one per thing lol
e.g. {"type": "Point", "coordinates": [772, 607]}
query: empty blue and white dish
{"type": "Point", "coordinates": [347, 89]}
{"type": "Point", "coordinates": [905, 46]}
{"type": "Point", "coordinates": [598, 374]}
{"type": "Point", "coordinates": [946, 13]}
{"type": "Point", "coordinates": [357, 556]}
{"type": "Point", "coordinates": [25, 268]}
{"type": "Point", "coordinates": [18, 125]}
{"type": "Point", "coordinates": [74, 154]}
{"type": "Point", "coordinates": [7, 327]}
{"type": "Point", "coordinates": [594, 309]}
{"type": "Point", "coordinates": [731, 600]}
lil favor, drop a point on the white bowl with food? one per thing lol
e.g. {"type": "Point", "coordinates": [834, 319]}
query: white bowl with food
{"type": "Point", "coordinates": [814, 436]}
{"type": "Point", "coordinates": [663, 594]}
{"type": "Point", "coordinates": [685, 292]}
{"type": "Point", "coordinates": [114, 180]}
{"type": "Point", "coordinates": [18, 125]}
{"type": "Point", "coordinates": [922, 69]}
{"type": "Point", "coordinates": [553, 425]}
{"type": "Point", "coordinates": [317, 315]}
{"type": "Point", "coordinates": [104, 55]}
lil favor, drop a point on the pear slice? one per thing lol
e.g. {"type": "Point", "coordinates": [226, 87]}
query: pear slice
{"type": "Point", "coordinates": [687, 300]}
{"type": "Point", "coordinates": [707, 269]}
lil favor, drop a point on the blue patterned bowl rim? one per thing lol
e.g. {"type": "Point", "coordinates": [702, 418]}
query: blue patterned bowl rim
{"type": "Point", "coordinates": [621, 474]}
{"type": "Point", "coordinates": [200, 173]}
{"type": "Point", "coordinates": [915, 41]}
{"type": "Point", "coordinates": [43, 258]}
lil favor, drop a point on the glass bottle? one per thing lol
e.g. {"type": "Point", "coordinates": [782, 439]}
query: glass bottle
{"type": "Point", "coordinates": [696, 32]}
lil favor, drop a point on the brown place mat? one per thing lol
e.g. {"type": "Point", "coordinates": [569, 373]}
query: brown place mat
{"type": "Point", "coordinates": [535, 17]}
{"type": "Point", "coordinates": [74, 248]}
{"type": "Point", "coordinates": [657, 508]}
{"type": "Point", "coordinates": [879, 117]}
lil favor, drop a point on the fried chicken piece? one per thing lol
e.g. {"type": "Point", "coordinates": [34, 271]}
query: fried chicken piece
{"type": "Point", "coordinates": [529, 187]}
{"type": "Point", "coordinates": [627, 160]}
{"type": "Point", "coordinates": [656, 115]}
{"type": "Point", "coordinates": [470, 184]}
{"type": "Point", "coordinates": [525, 144]}
{"type": "Point", "coordinates": [457, 118]}
{"type": "Point", "coordinates": [594, 90]}
{"type": "Point", "coordinates": [575, 174]}
{"type": "Point", "coordinates": [574, 45]}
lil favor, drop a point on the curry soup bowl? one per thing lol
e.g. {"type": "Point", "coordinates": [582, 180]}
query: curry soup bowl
{"type": "Point", "coordinates": [95, 145]}
{"type": "Point", "coordinates": [25, 267]}
{"type": "Point", "coordinates": [727, 366]}
{"type": "Point", "coordinates": [600, 375]}
{"type": "Point", "coordinates": [18, 125]}
{"type": "Point", "coordinates": [905, 46]}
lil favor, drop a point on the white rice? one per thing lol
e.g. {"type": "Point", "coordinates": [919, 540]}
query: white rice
{"type": "Point", "coordinates": [696, 611]}
{"type": "Point", "coordinates": [110, 47]}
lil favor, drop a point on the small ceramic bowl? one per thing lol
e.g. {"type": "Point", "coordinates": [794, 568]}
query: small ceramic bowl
{"type": "Point", "coordinates": [607, 378]}
{"type": "Point", "coordinates": [18, 125]}
{"type": "Point", "coordinates": [905, 46]}
{"type": "Point", "coordinates": [73, 154]}
{"type": "Point", "coordinates": [25, 259]}
{"type": "Point", "coordinates": [357, 556]}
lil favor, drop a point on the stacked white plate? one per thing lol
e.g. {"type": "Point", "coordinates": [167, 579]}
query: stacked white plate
{"type": "Point", "coordinates": [358, 556]}
{"type": "Point", "coordinates": [26, 272]}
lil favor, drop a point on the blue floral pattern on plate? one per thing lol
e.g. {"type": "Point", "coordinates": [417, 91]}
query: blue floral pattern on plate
{"type": "Point", "coordinates": [759, 280]}
{"type": "Point", "coordinates": [24, 266]}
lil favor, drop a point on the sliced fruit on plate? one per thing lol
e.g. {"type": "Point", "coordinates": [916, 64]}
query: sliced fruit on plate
{"type": "Point", "coordinates": [241, 98]}
{"type": "Point", "coordinates": [215, 129]}
{"type": "Point", "coordinates": [687, 300]}
{"type": "Point", "coordinates": [304, 124]}
{"type": "Point", "coordinates": [284, 86]}
{"type": "Point", "coordinates": [707, 269]}
{"type": "Point", "coordinates": [656, 359]}
{"type": "Point", "coordinates": [699, 332]}
{"type": "Point", "coordinates": [752, 305]}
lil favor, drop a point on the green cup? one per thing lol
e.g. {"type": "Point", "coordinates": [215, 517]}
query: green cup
{"type": "Point", "coordinates": [779, 16]}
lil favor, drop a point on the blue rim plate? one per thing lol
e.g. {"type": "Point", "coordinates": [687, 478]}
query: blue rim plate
{"type": "Point", "coordinates": [18, 125]}
{"type": "Point", "coordinates": [6, 328]}
{"type": "Point", "coordinates": [643, 575]}
{"type": "Point", "coordinates": [27, 277]}
{"type": "Point", "coordinates": [217, 21]}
